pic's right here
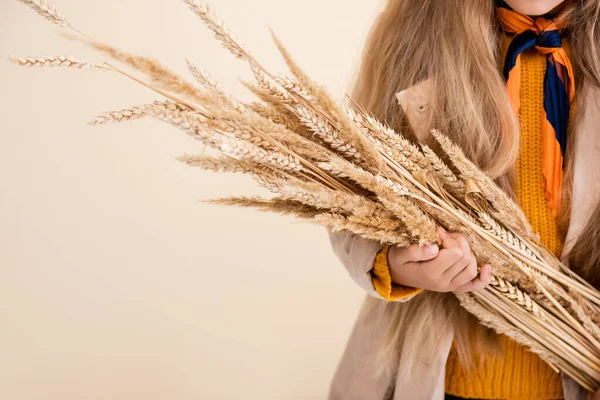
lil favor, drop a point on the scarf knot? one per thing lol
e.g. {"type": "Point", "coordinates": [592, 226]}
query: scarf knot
{"type": "Point", "coordinates": [548, 41]}
{"type": "Point", "coordinates": [544, 35]}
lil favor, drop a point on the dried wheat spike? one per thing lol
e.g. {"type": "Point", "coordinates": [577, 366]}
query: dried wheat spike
{"type": "Point", "coordinates": [309, 86]}
{"type": "Point", "coordinates": [491, 225]}
{"type": "Point", "coordinates": [254, 128]}
{"type": "Point", "coordinates": [332, 112]}
{"type": "Point", "coordinates": [386, 222]}
{"type": "Point", "coordinates": [200, 128]}
{"type": "Point", "coordinates": [308, 117]}
{"type": "Point", "coordinates": [125, 114]}
{"type": "Point", "coordinates": [447, 177]}
{"type": "Point", "coordinates": [268, 182]}
{"type": "Point", "coordinates": [277, 205]}
{"type": "Point", "coordinates": [338, 222]}
{"type": "Point", "coordinates": [47, 11]}
{"type": "Point", "coordinates": [264, 176]}
{"type": "Point", "coordinates": [292, 85]}
{"type": "Point", "coordinates": [393, 197]}
{"type": "Point", "coordinates": [223, 34]}
{"type": "Point", "coordinates": [397, 156]}
{"type": "Point", "coordinates": [477, 304]}
{"type": "Point", "coordinates": [235, 146]}
{"type": "Point", "coordinates": [507, 208]}
{"type": "Point", "coordinates": [394, 140]}
{"type": "Point", "coordinates": [327, 133]}
{"type": "Point", "coordinates": [272, 87]}
{"type": "Point", "coordinates": [205, 79]}
{"type": "Point", "coordinates": [254, 154]}
{"type": "Point", "coordinates": [331, 200]}
{"type": "Point", "coordinates": [136, 112]}
{"type": "Point", "coordinates": [586, 313]}
{"type": "Point", "coordinates": [329, 108]}
{"type": "Point", "coordinates": [240, 131]}
{"type": "Point", "coordinates": [384, 147]}
{"type": "Point", "coordinates": [279, 115]}
{"type": "Point", "coordinates": [214, 164]}
{"type": "Point", "coordinates": [514, 293]}
{"type": "Point", "coordinates": [56, 61]}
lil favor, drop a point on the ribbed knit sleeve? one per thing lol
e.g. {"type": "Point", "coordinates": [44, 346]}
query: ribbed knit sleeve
{"type": "Point", "coordinates": [382, 279]}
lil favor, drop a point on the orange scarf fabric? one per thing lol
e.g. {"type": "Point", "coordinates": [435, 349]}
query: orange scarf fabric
{"type": "Point", "coordinates": [559, 88]}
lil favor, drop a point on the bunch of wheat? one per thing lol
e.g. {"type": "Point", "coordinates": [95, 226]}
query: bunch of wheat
{"type": "Point", "coordinates": [339, 167]}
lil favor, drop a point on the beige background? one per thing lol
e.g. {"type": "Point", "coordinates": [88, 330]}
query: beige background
{"type": "Point", "coordinates": [115, 282]}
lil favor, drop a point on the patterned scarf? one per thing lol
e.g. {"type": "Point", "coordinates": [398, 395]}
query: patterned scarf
{"type": "Point", "coordinates": [559, 88]}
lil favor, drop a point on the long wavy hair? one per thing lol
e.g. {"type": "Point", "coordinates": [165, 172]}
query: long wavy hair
{"type": "Point", "coordinates": [455, 44]}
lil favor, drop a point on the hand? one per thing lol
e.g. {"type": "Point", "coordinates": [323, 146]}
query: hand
{"type": "Point", "coordinates": [453, 268]}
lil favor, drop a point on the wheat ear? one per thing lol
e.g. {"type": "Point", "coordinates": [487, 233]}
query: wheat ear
{"type": "Point", "coordinates": [277, 205]}
{"type": "Point", "coordinates": [47, 11]}
{"type": "Point", "coordinates": [393, 196]}
{"type": "Point", "coordinates": [506, 207]}
{"type": "Point", "coordinates": [135, 112]}
{"type": "Point", "coordinates": [207, 81]}
{"type": "Point", "coordinates": [338, 222]}
{"type": "Point", "coordinates": [277, 112]}
{"type": "Point", "coordinates": [56, 61]}
{"type": "Point", "coordinates": [329, 106]}
{"type": "Point", "coordinates": [214, 164]}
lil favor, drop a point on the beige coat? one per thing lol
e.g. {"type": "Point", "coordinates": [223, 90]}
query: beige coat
{"type": "Point", "coordinates": [356, 377]}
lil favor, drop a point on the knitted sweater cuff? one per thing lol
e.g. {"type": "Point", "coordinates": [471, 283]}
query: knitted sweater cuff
{"type": "Point", "coordinates": [382, 279]}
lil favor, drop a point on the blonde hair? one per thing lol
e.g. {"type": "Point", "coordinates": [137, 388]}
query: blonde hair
{"type": "Point", "coordinates": [455, 43]}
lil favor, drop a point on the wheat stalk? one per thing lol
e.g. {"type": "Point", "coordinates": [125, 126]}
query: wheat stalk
{"type": "Point", "coordinates": [509, 210]}
{"type": "Point", "coordinates": [214, 164]}
{"type": "Point", "coordinates": [125, 114]}
{"type": "Point", "coordinates": [135, 112]}
{"type": "Point", "coordinates": [47, 11]}
{"type": "Point", "coordinates": [338, 222]}
{"type": "Point", "coordinates": [218, 28]}
{"type": "Point", "coordinates": [276, 205]}
{"type": "Point", "coordinates": [56, 61]}
{"type": "Point", "coordinates": [206, 80]}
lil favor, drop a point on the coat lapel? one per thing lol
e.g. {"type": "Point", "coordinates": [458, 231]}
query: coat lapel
{"type": "Point", "coordinates": [585, 194]}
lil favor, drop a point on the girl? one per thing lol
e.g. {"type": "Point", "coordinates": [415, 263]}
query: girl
{"type": "Point", "coordinates": [517, 85]}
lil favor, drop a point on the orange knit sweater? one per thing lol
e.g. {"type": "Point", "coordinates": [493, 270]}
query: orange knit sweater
{"type": "Point", "coordinates": [517, 373]}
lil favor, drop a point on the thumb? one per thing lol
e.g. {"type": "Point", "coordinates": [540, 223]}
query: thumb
{"type": "Point", "coordinates": [426, 253]}
{"type": "Point", "coordinates": [414, 253]}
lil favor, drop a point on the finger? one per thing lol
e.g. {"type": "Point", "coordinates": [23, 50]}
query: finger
{"type": "Point", "coordinates": [454, 271]}
{"type": "Point", "coordinates": [416, 253]}
{"type": "Point", "coordinates": [461, 240]}
{"type": "Point", "coordinates": [468, 273]}
{"type": "Point", "coordinates": [445, 260]}
{"type": "Point", "coordinates": [484, 279]}
{"type": "Point", "coordinates": [448, 240]}
{"type": "Point", "coordinates": [467, 258]}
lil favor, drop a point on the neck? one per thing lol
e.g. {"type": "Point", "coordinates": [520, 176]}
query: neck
{"type": "Point", "coordinates": [556, 10]}
{"type": "Point", "coordinates": [548, 14]}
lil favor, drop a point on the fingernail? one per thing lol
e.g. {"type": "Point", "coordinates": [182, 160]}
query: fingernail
{"type": "Point", "coordinates": [431, 249]}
